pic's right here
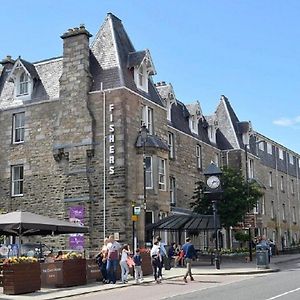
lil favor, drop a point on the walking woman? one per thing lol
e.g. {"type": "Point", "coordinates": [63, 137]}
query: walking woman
{"type": "Point", "coordinates": [156, 261]}
{"type": "Point", "coordinates": [123, 263]}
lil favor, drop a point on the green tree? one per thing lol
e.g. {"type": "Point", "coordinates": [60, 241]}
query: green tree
{"type": "Point", "coordinates": [237, 199]}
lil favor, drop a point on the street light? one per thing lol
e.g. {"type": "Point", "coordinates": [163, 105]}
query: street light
{"type": "Point", "coordinates": [247, 180]}
{"type": "Point", "coordinates": [144, 136]}
{"type": "Point", "coordinates": [214, 191]}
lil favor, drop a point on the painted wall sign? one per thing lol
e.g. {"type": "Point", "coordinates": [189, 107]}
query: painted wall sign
{"type": "Point", "coordinates": [111, 140]}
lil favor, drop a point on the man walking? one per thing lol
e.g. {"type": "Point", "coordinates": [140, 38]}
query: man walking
{"type": "Point", "coordinates": [189, 254]}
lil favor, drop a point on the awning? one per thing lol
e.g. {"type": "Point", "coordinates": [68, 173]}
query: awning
{"type": "Point", "coordinates": [191, 222]}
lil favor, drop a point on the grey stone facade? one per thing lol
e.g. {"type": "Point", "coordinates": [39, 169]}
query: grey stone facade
{"type": "Point", "coordinates": [82, 143]}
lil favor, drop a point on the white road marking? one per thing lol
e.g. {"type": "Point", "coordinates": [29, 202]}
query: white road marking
{"type": "Point", "coordinates": [286, 293]}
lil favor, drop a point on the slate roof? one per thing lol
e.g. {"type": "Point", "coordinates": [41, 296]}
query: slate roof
{"type": "Point", "coordinates": [112, 55]}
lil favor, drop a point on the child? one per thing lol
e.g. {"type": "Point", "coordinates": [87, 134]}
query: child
{"type": "Point", "coordinates": [138, 273]}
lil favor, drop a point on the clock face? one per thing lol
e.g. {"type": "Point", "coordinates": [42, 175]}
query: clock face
{"type": "Point", "coordinates": [213, 182]}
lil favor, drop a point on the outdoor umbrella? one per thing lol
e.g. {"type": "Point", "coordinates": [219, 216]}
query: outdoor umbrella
{"type": "Point", "coordinates": [21, 223]}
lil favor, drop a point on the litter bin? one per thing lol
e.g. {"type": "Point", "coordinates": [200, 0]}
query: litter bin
{"type": "Point", "coordinates": [262, 257]}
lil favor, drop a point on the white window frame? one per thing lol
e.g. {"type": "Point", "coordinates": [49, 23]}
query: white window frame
{"type": "Point", "coordinates": [291, 159]}
{"type": "Point", "coordinates": [251, 168]}
{"type": "Point", "coordinates": [141, 77]}
{"type": "Point", "coordinates": [269, 148]}
{"type": "Point", "coordinates": [193, 124]}
{"type": "Point", "coordinates": [263, 205]}
{"type": "Point", "coordinates": [149, 172]}
{"type": "Point", "coordinates": [161, 174]}
{"type": "Point", "coordinates": [294, 214]}
{"type": "Point", "coordinates": [17, 180]}
{"type": "Point", "coordinates": [272, 210]}
{"type": "Point", "coordinates": [281, 183]}
{"type": "Point", "coordinates": [172, 187]}
{"type": "Point", "coordinates": [283, 212]}
{"type": "Point", "coordinates": [147, 118]}
{"type": "Point", "coordinates": [18, 131]}
{"type": "Point", "coordinates": [292, 187]}
{"type": "Point", "coordinates": [280, 153]}
{"type": "Point", "coordinates": [261, 145]}
{"type": "Point", "coordinates": [171, 145]}
{"type": "Point", "coordinates": [270, 179]}
{"type": "Point", "coordinates": [23, 84]}
{"type": "Point", "coordinates": [199, 156]}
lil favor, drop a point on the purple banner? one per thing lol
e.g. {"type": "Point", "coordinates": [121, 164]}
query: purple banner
{"type": "Point", "coordinates": [76, 215]}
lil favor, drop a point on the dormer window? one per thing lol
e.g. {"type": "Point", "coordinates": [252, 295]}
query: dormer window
{"type": "Point", "coordinates": [23, 84]}
{"type": "Point", "coordinates": [194, 124]}
{"type": "Point", "coordinates": [23, 75]}
{"type": "Point", "coordinates": [141, 78]}
{"type": "Point", "coordinates": [143, 67]}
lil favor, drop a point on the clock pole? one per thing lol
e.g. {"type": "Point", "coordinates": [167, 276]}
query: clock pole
{"type": "Point", "coordinates": [213, 192]}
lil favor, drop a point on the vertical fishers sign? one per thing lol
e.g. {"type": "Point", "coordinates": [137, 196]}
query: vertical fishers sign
{"type": "Point", "coordinates": [111, 140]}
{"type": "Point", "coordinates": [76, 215]}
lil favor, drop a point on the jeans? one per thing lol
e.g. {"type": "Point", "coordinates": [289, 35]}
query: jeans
{"type": "Point", "coordinates": [111, 269]}
{"type": "Point", "coordinates": [103, 270]}
{"type": "Point", "coordinates": [188, 262]}
{"type": "Point", "coordinates": [156, 267]}
{"type": "Point", "coordinates": [124, 271]}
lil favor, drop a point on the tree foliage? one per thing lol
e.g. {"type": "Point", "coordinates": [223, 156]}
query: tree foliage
{"type": "Point", "coordinates": [238, 198]}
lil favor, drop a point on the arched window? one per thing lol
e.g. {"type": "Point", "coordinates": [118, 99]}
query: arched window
{"type": "Point", "coordinates": [23, 84]}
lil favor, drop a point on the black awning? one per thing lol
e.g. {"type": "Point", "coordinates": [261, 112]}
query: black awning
{"type": "Point", "coordinates": [191, 222]}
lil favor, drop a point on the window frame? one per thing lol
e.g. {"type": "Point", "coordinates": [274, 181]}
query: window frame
{"type": "Point", "coordinates": [149, 172]}
{"type": "Point", "coordinates": [172, 188]}
{"type": "Point", "coordinates": [18, 128]}
{"type": "Point", "coordinates": [171, 145]}
{"type": "Point", "coordinates": [23, 84]}
{"type": "Point", "coordinates": [199, 157]}
{"type": "Point", "coordinates": [162, 174]}
{"type": "Point", "coordinates": [19, 180]}
{"type": "Point", "coordinates": [269, 148]}
{"type": "Point", "coordinates": [280, 153]}
{"type": "Point", "coordinates": [147, 118]}
{"type": "Point", "coordinates": [270, 179]}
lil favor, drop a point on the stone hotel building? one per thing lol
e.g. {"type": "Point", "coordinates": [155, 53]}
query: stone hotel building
{"type": "Point", "coordinates": [71, 145]}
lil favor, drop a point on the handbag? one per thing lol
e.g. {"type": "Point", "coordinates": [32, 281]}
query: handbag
{"type": "Point", "coordinates": [130, 262]}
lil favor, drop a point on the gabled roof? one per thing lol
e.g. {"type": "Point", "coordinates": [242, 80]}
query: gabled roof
{"type": "Point", "coordinates": [228, 136]}
{"type": "Point", "coordinates": [135, 59]}
{"type": "Point", "coordinates": [112, 55]}
{"type": "Point", "coordinates": [28, 67]}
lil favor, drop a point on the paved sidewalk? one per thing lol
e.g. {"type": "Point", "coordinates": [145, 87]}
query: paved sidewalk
{"type": "Point", "coordinates": [227, 268]}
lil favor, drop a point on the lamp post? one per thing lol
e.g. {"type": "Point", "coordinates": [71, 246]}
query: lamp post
{"type": "Point", "coordinates": [247, 180]}
{"type": "Point", "coordinates": [214, 191]}
{"type": "Point", "coordinates": [144, 136]}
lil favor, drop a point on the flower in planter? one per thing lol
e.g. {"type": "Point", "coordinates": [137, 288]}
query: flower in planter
{"type": "Point", "coordinates": [19, 260]}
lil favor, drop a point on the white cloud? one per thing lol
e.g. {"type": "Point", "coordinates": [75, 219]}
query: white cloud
{"type": "Point", "coordinates": [287, 122]}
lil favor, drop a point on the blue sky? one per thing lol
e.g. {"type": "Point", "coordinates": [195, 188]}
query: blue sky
{"type": "Point", "coordinates": [248, 51]}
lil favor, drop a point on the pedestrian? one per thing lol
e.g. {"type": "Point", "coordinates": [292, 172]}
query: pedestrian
{"type": "Point", "coordinates": [156, 261]}
{"type": "Point", "coordinates": [101, 259]}
{"type": "Point", "coordinates": [172, 254]}
{"type": "Point", "coordinates": [163, 251]}
{"type": "Point", "coordinates": [265, 244]}
{"type": "Point", "coordinates": [113, 248]}
{"type": "Point", "coordinates": [189, 254]}
{"type": "Point", "coordinates": [123, 263]}
{"type": "Point", "coordinates": [138, 272]}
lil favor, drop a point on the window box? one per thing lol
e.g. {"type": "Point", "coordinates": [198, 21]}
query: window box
{"type": "Point", "coordinates": [21, 278]}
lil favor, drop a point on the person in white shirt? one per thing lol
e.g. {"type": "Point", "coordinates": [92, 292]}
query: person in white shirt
{"type": "Point", "coordinates": [156, 261]}
{"type": "Point", "coordinates": [123, 263]}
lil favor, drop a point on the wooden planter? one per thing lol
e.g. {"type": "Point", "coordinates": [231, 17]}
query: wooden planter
{"type": "Point", "coordinates": [21, 278]}
{"type": "Point", "coordinates": [64, 273]}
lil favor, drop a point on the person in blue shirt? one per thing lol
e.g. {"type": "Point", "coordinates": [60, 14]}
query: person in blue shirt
{"type": "Point", "coordinates": [189, 254]}
{"type": "Point", "coordinates": [138, 272]}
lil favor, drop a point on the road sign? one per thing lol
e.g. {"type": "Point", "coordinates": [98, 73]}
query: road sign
{"type": "Point", "coordinates": [137, 210]}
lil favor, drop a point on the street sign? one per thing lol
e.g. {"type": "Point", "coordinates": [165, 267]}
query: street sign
{"type": "Point", "coordinates": [137, 210]}
{"type": "Point", "coordinates": [134, 218]}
